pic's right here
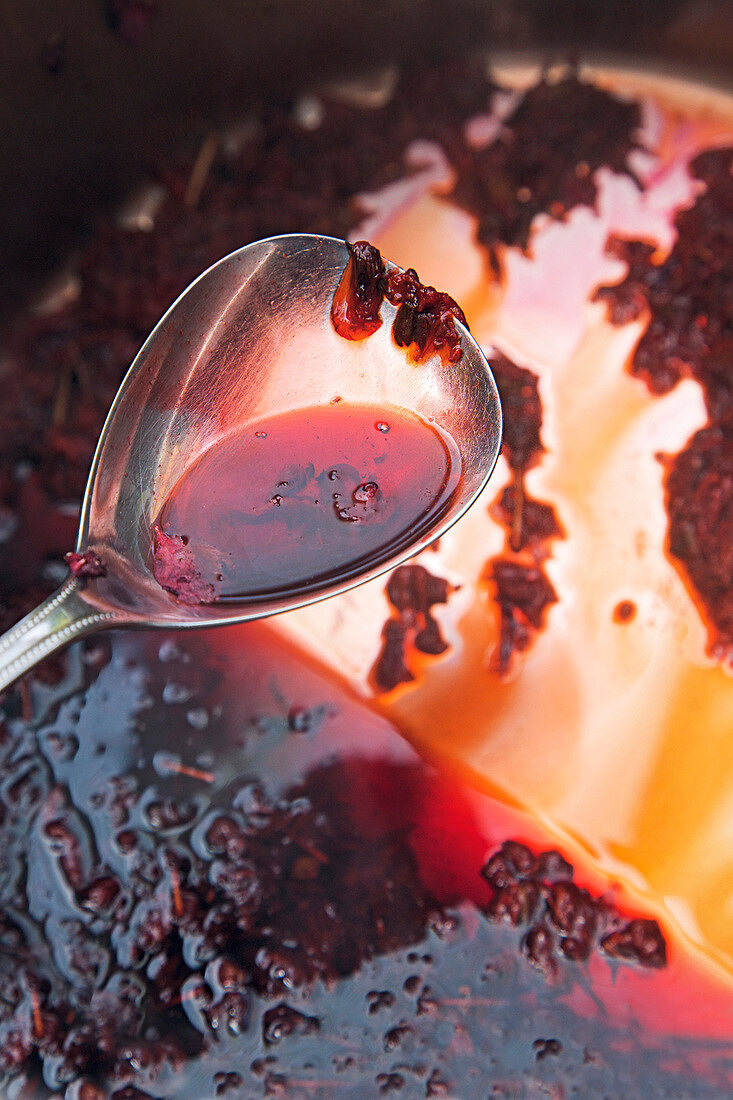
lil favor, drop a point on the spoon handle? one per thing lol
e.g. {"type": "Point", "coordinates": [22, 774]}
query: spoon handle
{"type": "Point", "coordinates": [60, 619]}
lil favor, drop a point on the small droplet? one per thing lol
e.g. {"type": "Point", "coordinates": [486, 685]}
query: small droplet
{"type": "Point", "coordinates": [382, 426]}
{"type": "Point", "coordinates": [333, 475]}
{"type": "Point", "coordinates": [335, 400]}
{"type": "Point", "coordinates": [276, 500]}
{"type": "Point", "coordinates": [282, 484]}
{"type": "Point", "coordinates": [260, 435]}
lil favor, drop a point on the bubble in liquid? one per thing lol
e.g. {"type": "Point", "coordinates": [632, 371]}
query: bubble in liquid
{"type": "Point", "coordinates": [166, 762]}
{"type": "Point", "coordinates": [175, 693]}
{"type": "Point", "coordinates": [382, 426]}
{"type": "Point", "coordinates": [260, 435]}
{"type": "Point", "coordinates": [366, 498]}
{"type": "Point", "coordinates": [168, 651]}
{"type": "Point", "coordinates": [366, 492]}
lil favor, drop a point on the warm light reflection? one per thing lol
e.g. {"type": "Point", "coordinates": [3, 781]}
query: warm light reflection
{"type": "Point", "coordinates": [615, 734]}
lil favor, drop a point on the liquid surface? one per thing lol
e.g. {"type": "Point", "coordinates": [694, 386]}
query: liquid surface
{"type": "Point", "coordinates": [223, 875]}
{"type": "Point", "coordinates": [303, 500]}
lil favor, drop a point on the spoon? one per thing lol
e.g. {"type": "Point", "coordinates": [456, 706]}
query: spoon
{"type": "Point", "coordinates": [250, 338]}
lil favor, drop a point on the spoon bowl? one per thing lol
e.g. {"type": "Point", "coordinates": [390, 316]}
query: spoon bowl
{"type": "Point", "coordinates": [250, 338]}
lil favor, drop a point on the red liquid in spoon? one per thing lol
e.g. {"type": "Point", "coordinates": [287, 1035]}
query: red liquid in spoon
{"type": "Point", "coordinates": [301, 500]}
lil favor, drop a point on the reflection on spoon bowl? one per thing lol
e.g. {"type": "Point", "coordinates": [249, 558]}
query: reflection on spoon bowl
{"type": "Point", "coordinates": [250, 339]}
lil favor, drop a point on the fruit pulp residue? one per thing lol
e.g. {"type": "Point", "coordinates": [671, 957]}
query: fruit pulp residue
{"type": "Point", "coordinates": [545, 159]}
{"type": "Point", "coordinates": [178, 873]}
{"type": "Point", "coordinates": [85, 564]}
{"type": "Point", "coordinates": [425, 318]}
{"type": "Point", "coordinates": [690, 334]}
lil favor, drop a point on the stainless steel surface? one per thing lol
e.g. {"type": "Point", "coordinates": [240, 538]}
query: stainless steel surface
{"type": "Point", "coordinates": [251, 337]}
{"type": "Point", "coordinates": [59, 620]}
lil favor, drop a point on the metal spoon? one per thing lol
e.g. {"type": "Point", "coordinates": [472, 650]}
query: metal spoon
{"type": "Point", "coordinates": [250, 338]}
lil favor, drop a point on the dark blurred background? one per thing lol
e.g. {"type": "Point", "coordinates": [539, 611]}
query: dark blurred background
{"type": "Point", "coordinates": [91, 91]}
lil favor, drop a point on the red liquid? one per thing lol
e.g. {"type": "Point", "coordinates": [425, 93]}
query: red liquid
{"type": "Point", "coordinates": [117, 783]}
{"type": "Point", "coordinates": [225, 875]}
{"type": "Point", "coordinates": [301, 500]}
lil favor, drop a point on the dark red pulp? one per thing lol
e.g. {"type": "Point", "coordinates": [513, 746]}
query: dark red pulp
{"type": "Point", "coordinates": [425, 318]}
{"type": "Point", "coordinates": [690, 334]}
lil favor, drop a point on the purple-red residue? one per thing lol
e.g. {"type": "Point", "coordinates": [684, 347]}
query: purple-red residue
{"type": "Point", "coordinates": [690, 334]}
{"type": "Point", "coordinates": [688, 294]}
{"type": "Point", "coordinates": [537, 522]}
{"type": "Point", "coordinates": [425, 319]}
{"type": "Point", "coordinates": [523, 593]}
{"type": "Point", "coordinates": [545, 159]}
{"type": "Point", "coordinates": [522, 408]}
{"type": "Point", "coordinates": [360, 293]}
{"type": "Point", "coordinates": [86, 564]}
{"type": "Point", "coordinates": [174, 568]}
{"type": "Point", "coordinates": [536, 891]}
{"type": "Point", "coordinates": [518, 582]}
{"type": "Point", "coordinates": [624, 611]}
{"type": "Point", "coordinates": [413, 592]}
{"type": "Point", "coordinates": [699, 500]}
